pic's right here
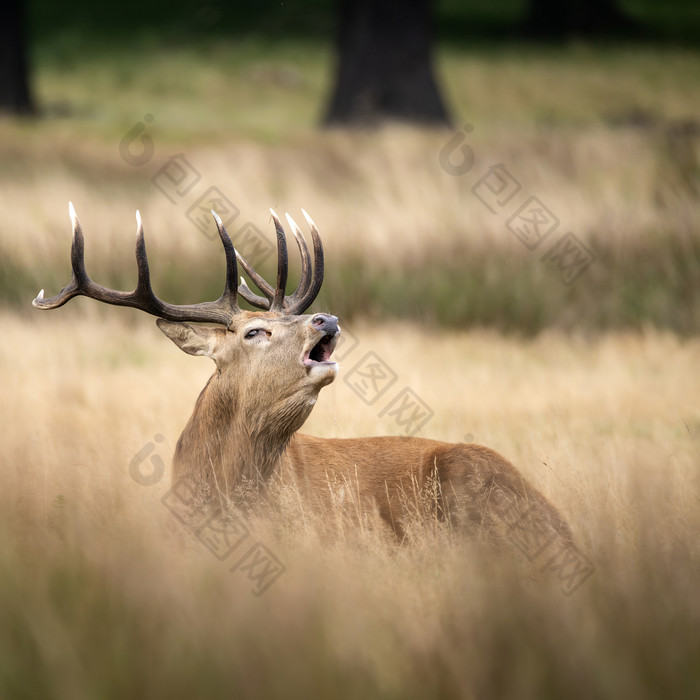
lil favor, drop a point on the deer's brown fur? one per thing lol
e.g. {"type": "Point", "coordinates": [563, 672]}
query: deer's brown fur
{"type": "Point", "coordinates": [243, 430]}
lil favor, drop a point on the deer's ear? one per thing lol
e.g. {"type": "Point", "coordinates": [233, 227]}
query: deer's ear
{"type": "Point", "coordinates": [194, 340]}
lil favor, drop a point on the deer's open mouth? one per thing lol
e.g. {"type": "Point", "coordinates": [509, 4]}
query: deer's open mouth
{"type": "Point", "coordinates": [322, 351]}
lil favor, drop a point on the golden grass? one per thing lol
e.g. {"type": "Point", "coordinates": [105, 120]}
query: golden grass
{"type": "Point", "coordinates": [387, 210]}
{"type": "Point", "coordinates": [99, 597]}
{"type": "Point", "coordinates": [562, 122]}
{"type": "Point", "coordinates": [373, 191]}
{"type": "Point", "coordinates": [101, 592]}
{"type": "Point", "coordinates": [594, 134]}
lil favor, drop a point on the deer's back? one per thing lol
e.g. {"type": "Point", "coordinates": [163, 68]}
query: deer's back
{"type": "Point", "coordinates": [467, 481]}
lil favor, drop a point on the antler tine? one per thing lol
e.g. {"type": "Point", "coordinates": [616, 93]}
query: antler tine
{"type": "Point", "coordinates": [259, 282]}
{"type": "Point", "coordinates": [143, 290]}
{"type": "Point", "coordinates": [307, 297]}
{"type": "Point", "coordinates": [266, 288]}
{"type": "Point", "coordinates": [220, 311]}
{"type": "Point", "coordinates": [282, 265]}
{"type": "Point", "coordinates": [309, 284]}
{"type": "Point", "coordinates": [251, 297]}
{"type": "Point", "coordinates": [77, 248]}
{"type": "Point", "coordinates": [80, 280]}
{"type": "Point", "coordinates": [305, 279]}
{"type": "Point", "coordinates": [76, 255]}
{"type": "Point", "coordinates": [230, 294]}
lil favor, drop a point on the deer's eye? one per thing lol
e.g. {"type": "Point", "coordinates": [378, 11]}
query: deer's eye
{"type": "Point", "coordinates": [256, 332]}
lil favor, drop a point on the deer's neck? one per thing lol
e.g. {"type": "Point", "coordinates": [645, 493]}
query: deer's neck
{"type": "Point", "coordinates": [233, 440]}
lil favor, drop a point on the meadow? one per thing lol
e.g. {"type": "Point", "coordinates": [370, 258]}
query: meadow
{"type": "Point", "coordinates": [104, 594]}
{"type": "Point", "coordinates": [590, 387]}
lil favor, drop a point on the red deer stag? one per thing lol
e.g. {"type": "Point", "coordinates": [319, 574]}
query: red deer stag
{"type": "Point", "coordinates": [270, 367]}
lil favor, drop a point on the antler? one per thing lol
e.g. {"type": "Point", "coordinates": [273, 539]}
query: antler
{"type": "Point", "coordinates": [309, 285]}
{"type": "Point", "coordinates": [220, 311]}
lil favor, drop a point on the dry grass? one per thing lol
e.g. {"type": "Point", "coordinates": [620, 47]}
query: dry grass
{"type": "Point", "coordinates": [100, 599]}
{"type": "Point", "coordinates": [101, 592]}
{"type": "Point", "coordinates": [596, 135]}
{"type": "Point", "coordinates": [388, 212]}
{"type": "Point", "coordinates": [369, 190]}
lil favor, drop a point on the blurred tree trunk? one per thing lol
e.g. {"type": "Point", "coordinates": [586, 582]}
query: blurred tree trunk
{"type": "Point", "coordinates": [558, 19]}
{"type": "Point", "coordinates": [384, 67]}
{"type": "Point", "coordinates": [15, 96]}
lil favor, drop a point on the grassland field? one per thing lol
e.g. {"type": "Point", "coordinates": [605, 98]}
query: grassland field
{"type": "Point", "coordinates": [591, 388]}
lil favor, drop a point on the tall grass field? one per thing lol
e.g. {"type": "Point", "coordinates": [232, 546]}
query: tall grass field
{"type": "Point", "coordinates": [585, 376]}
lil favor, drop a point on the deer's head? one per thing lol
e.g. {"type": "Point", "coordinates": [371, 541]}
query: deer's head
{"type": "Point", "coordinates": [272, 363]}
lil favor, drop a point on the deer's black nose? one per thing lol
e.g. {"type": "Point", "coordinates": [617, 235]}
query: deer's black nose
{"type": "Point", "coordinates": [325, 323]}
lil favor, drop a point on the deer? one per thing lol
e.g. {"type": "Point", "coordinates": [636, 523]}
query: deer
{"type": "Point", "coordinates": [270, 365]}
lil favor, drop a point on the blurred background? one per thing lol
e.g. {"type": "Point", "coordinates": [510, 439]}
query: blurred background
{"type": "Point", "coordinates": [388, 122]}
